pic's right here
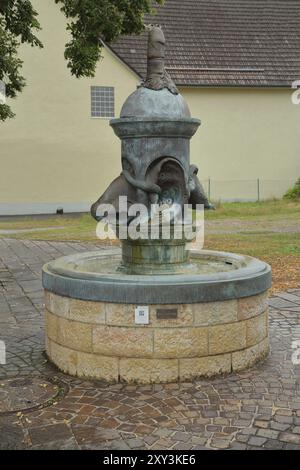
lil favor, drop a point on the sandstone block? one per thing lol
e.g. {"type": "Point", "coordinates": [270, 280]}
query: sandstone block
{"type": "Point", "coordinates": [243, 359]}
{"type": "Point", "coordinates": [99, 367]}
{"type": "Point", "coordinates": [86, 311]}
{"type": "Point", "coordinates": [122, 341]}
{"type": "Point", "coordinates": [148, 370]}
{"type": "Point", "coordinates": [57, 304]}
{"type": "Point", "coordinates": [51, 325]}
{"type": "Point", "coordinates": [249, 307]}
{"type": "Point", "coordinates": [75, 335]}
{"type": "Point", "coordinates": [47, 346]}
{"type": "Point", "coordinates": [120, 314]}
{"type": "Point", "coordinates": [183, 342]}
{"type": "Point", "coordinates": [213, 313]}
{"type": "Point", "coordinates": [64, 358]}
{"type": "Point", "coordinates": [256, 329]}
{"type": "Point", "coordinates": [226, 338]}
{"type": "Point", "coordinates": [190, 368]}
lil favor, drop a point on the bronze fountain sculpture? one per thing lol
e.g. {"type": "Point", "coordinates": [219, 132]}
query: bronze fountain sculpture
{"type": "Point", "coordinates": [157, 178]}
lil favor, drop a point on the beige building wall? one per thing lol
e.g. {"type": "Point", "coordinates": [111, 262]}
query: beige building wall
{"type": "Point", "coordinates": [53, 154]}
{"type": "Point", "coordinates": [246, 133]}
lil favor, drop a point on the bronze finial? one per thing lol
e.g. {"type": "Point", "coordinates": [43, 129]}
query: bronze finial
{"type": "Point", "coordinates": [157, 76]}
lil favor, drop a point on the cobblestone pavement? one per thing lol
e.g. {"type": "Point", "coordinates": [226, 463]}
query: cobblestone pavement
{"type": "Point", "coordinates": [255, 409]}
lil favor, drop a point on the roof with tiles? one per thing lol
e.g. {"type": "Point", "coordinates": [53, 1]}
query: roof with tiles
{"type": "Point", "coordinates": [223, 42]}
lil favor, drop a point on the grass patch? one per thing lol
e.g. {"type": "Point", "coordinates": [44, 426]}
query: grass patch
{"type": "Point", "coordinates": [259, 245]}
{"type": "Point", "coordinates": [267, 230]}
{"type": "Point", "coordinates": [79, 227]}
{"type": "Point", "coordinates": [272, 209]}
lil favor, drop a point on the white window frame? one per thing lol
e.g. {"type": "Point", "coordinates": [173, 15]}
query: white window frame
{"type": "Point", "coordinates": [104, 88]}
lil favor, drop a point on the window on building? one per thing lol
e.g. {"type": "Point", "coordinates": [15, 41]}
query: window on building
{"type": "Point", "coordinates": [102, 101]}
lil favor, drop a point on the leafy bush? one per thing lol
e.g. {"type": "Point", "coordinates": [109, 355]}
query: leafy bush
{"type": "Point", "coordinates": [294, 192]}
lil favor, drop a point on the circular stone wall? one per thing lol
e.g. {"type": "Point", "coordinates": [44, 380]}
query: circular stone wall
{"type": "Point", "coordinates": [182, 341]}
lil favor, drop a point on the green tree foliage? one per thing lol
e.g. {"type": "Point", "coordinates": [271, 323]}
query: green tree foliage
{"type": "Point", "coordinates": [18, 24]}
{"type": "Point", "coordinates": [294, 192]}
{"type": "Point", "coordinates": [90, 20]}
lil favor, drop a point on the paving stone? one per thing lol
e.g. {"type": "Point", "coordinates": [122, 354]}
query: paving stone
{"type": "Point", "coordinates": [64, 444]}
{"type": "Point", "coordinates": [289, 437]}
{"type": "Point", "coordinates": [256, 441]}
{"type": "Point", "coordinates": [237, 446]}
{"type": "Point", "coordinates": [220, 443]}
{"type": "Point", "coordinates": [273, 444]}
{"type": "Point", "coordinates": [181, 436]}
{"type": "Point", "coordinates": [279, 426]}
{"type": "Point", "coordinates": [12, 436]}
{"type": "Point", "coordinates": [119, 444]}
{"type": "Point", "coordinates": [182, 446]}
{"type": "Point", "coordinates": [241, 438]}
{"type": "Point", "coordinates": [135, 443]}
{"type": "Point", "coordinates": [276, 302]}
{"type": "Point", "coordinates": [283, 419]}
{"type": "Point", "coordinates": [290, 297]}
{"type": "Point", "coordinates": [162, 432]}
{"type": "Point", "coordinates": [48, 433]}
{"type": "Point", "coordinates": [261, 424]}
{"type": "Point", "coordinates": [149, 440]}
{"type": "Point", "coordinates": [268, 433]}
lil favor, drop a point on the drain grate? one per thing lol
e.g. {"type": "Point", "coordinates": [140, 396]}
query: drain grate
{"type": "Point", "coordinates": [28, 393]}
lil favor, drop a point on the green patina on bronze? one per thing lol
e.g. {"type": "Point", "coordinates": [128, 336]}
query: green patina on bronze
{"type": "Point", "coordinates": [155, 128]}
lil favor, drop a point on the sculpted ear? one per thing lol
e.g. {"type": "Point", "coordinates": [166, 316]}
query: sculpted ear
{"type": "Point", "coordinates": [194, 170]}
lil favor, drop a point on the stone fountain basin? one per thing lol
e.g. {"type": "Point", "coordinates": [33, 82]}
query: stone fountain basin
{"type": "Point", "coordinates": [210, 276]}
{"type": "Point", "coordinates": [213, 321]}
